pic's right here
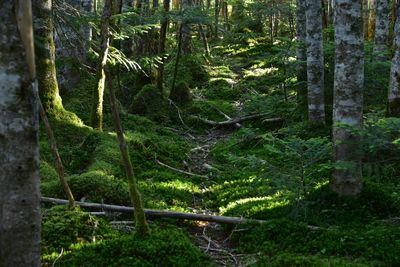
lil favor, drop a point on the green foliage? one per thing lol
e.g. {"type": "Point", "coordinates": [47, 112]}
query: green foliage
{"type": "Point", "coordinates": [190, 70]}
{"type": "Point", "coordinates": [165, 246]}
{"type": "Point", "coordinates": [62, 227]}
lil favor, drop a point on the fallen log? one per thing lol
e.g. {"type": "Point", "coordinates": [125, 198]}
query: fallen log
{"type": "Point", "coordinates": [238, 120]}
{"type": "Point", "coordinates": [155, 213]}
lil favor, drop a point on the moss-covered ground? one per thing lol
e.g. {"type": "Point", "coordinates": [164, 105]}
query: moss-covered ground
{"type": "Point", "coordinates": [277, 172]}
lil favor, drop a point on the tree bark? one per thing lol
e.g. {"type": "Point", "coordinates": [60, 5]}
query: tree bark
{"type": "Point", "coordinates": [381, 30]}
{"type": "Point", "coordinates": [161, 46]}
{"type": "Point", "coordinates": [96, 117]}
{"type": "Point", "coordinates": [142, 227]}
{"type": "Point", "coordinates": [216, 18]}
{"type": "Point", "coordinates": [301, 54]}
{"type": "Point", "coordinates": [19, 147]}
{"type": "Point", "coordinates": [186, 29]}
{"type": "Point", "coordinates": [45, 55]}
{"type": "Point", "coordinates": [348, 96]}
{"type": "Point", "coordinates": [371, 19]}
{"type": "Point", "coordinates": [394, 93]}
{"type": "Point", "coordinates": [315, 62]}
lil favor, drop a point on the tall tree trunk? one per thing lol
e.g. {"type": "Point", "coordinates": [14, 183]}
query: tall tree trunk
{"type": "Point", "coordinates": [45, 55]}
{"type": "Point", "coordinates": [394, 93]}
{"type": "Point", "coordinates": [226, 16]}
{"type": "Point", "coordinates": [142, 227]}
{"type": "Point", "coordinates": [186, 29]}
{"type": "Point", "coordinates": [161, 46]}
{"type": "Point", "coordinates": [216, 18]}
{"type": "Point", "coordinates": [96, 116]}
{"type": "Point", "coordinates": [178, 55]}
{"type": "Point", "coordinates": [348, 96]}
{"type": "Point", "coordinates": [155, 4]}
{"type": "Point", "coordinates": [19, 147]}
{"type": "Point", "coordinates": [371, 19]}
{"type": "Point", "coordinates": [365, 18]}
{"type": "Point", "coordinates": [315, 62]}
{"type": "Point", "coordinates": [381, 30]}
{"type": "Point", "coordinates": [301, 54]}
{"type": "Point", "coordinates": [205, 40]}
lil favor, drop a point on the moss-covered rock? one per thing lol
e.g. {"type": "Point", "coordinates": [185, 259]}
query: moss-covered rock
{"type": "Point", "coordinates": [149, 101]}
{"type": "Point", "coordinates": [180, 94]}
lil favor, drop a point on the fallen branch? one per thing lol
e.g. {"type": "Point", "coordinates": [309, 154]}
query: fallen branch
{"type": "Point", "coordinates": [155, 213]}
{"type": "Point", "coordinates": [180, 171]}
{"type": "Point", "coordinates": [238, 120]}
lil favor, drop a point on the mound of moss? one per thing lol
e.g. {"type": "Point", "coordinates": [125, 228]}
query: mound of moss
{"type": "Point", "coordinates": [93, 186]}
{"type": "Point", "coordinates": [148, 101]}
{"type": "Point", "coordinates": [163, 247]}
{"type": "Point", "coordinates": [62, 227]}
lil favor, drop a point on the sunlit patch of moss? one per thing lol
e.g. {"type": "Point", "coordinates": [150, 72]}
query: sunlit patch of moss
{"type": "Point", "coordinates": [250, 207]}
{"type": "Point", "coordinates": [257, 72]}
{"type": "Point", "coordinates": [47, 172]}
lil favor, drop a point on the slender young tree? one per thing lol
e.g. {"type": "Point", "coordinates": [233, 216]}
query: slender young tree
{"type": "Point", "coordinates": [348, 96]}
{"type": "Point", "coordinates": [186, 29]}
{"type": "Point", "coordinates": [301, 54]}
{"type": "Point", "coordinates": [19, 148]}
{"type": "Point", "coordinates": [96, 117]}
{"type": "Point", "coordinates": [216, 17]}
{"type": "Point", "coordinates": [371, 19]}
{"type": "Point", "coordinates": [381, 30]}
{"type": "Point", "coordinates": [315, 62]}
{"type": "Point", "coordinates": [45, 55]}
{"type": "Point", "coordinates": [142, 227]}
{"type": "Point", "coordinates": [394, 92]}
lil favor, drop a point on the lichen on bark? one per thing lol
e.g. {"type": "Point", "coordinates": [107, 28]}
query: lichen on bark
{"type": "Point", "coordinates": [348, 96]}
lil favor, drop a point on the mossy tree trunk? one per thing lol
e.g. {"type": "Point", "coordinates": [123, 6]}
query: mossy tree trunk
{"type": "Point", "coordinates": [19, 146]}
{"type": "Point", "coordinates": [142, 227]}
{"type": "Point", "coordinates": [348, 96]}
{"type": "Point", "coordinates": [301, 54]}
{"type": "Point", "coordinates": [381, 30]}
{"type": "Point", "coordinates": [96, 116]}
{"type": "Point", "coordinates": [371, 19]}
{"type": "Point", "coordinates": [45, 56]}
{"type": "Point", "coordinates": [186, 29]}
{"type": "Point", "coordinates": [315, 62]}
{"type": "Point", "coordinates": [394, 93]}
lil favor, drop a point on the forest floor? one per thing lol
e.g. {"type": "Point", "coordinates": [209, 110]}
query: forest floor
{"type": "Point", "coordinates": [277, 172]}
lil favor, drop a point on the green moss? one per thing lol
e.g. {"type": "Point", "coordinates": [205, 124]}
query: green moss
{"type": "Point", "coordinates": [164, 247]}
{"type": "Point", "coordinates": [47, 172]}
{"type": "Point", "coordinates": [62, 227]}
{"type": "Point", "coordinates": [93, 186]}
{"type": "Point", "coordinates": [149, 101]}
{"type": "Point", "coordinates": [181, 94]}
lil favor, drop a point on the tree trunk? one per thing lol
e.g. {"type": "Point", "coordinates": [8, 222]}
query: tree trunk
{"type": "Point", "coordinates": [348, 96]}
{"type": "Point", "coordinates": [205, 41]}
{"type": "Point", "coordinates": [226, 16]}
{"type": "Point", "coordinates": [56, 155]}
{"type": "Point", "coordinates": [45, 56]}
{"type": "Point", "coordinates": [365, 18]}
{"type": "Point", "coordinates": [371, 19]}
{"type": "Point", "coordinates": [96, 117]}
{"type": "Point", "coordinates": [186, 30]}
{"type": "Point", "coordinates": [161, 46]}
{"type": "Point", "coordinates": [142, 227]}
{"type": "Point", "coordinates": [216, 18]}
{"type": "Point", "coordinates": [315, 62]}
{"type": "Point", "coordinates": [394, 93]}
{"type": "Point", "coordinates": [381, 30]}
{"type": "Point", "coordinates": [178, 55]}
{"type": "Point", "coordinates": [301, 54]}
{"type": "Point", "coordinates": [19, 147]}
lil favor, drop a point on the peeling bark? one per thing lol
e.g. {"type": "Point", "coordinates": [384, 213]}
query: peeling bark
{"type": "Point", "coordinates": [19, 153]}
{"type": "Point", "coordinates": [348, 96]}
{"type": "Point", "coordinates": [315, 62]}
